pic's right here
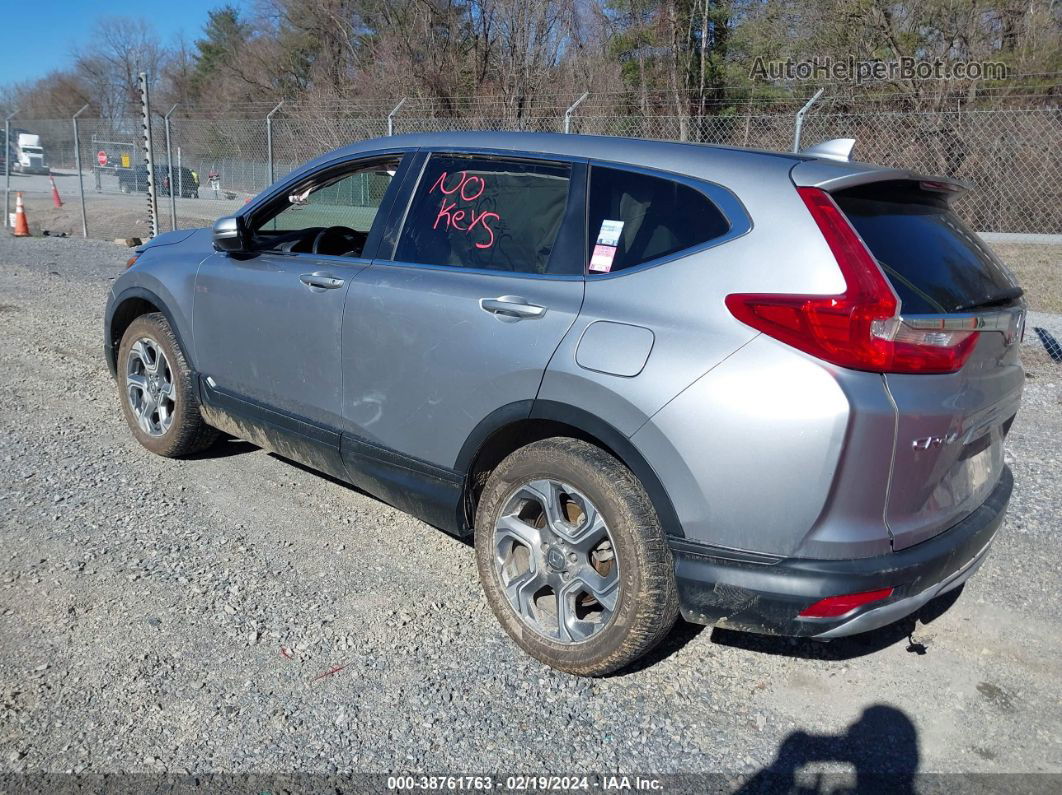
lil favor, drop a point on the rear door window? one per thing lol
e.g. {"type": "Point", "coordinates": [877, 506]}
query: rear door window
{"type": "Point", "coordinates": [934, 261]}
{"type": "Point", "coordinates": [485, 213]}
{"type": "Point", "coordinates": [635, 218]}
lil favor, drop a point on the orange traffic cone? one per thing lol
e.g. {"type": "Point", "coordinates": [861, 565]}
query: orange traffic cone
{"type": "Point", "coordinates": [21, 227]}
{"type": "Point", "coordinates": [55, 193]}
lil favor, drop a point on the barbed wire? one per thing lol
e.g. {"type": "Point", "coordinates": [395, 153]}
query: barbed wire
{"type": "Point", "coordinates": [1029, 87]}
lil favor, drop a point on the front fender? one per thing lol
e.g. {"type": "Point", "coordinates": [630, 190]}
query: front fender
{"type": "Point", "coordinates": [164, 277]}
{"type": "Point", "coordinates": [176, 319]}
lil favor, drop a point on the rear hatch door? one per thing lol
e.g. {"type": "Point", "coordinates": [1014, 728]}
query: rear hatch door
{"type": "Point", "coordinates": [950, 428]}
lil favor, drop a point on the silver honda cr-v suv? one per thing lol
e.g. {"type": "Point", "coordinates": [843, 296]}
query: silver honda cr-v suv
{"type": "Point", "coordinates": [765, 391]}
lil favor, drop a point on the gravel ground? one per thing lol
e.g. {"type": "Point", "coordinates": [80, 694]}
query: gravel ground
{"type": "Point", "coordinates": [239, 613]}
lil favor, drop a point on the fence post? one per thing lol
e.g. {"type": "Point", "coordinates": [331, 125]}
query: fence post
{"type": "Point", "coordinates": [149, 155]}
{"type": "Point", "coordinates": [800, 119]}
{"type": "Point", "coordinates": [7, 167]}
{"type": "Point", "coordinates": [269, 139]}
{"type": "Point", "coordinates": [169, 168]}
{"type": "Point", "coordinates": [391, 117]}
{"type": "Point", "coordinates": [571, 109]}
{"type": "Point", "coordinates": [80, 176]}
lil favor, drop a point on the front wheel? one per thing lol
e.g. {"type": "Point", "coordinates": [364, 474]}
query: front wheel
{"type": "Point", "coordinates": [156, 389]}
{"type": "Point", "coordinates": [572, 557]}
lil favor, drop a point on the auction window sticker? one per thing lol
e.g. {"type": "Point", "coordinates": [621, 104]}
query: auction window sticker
{"type": "Point", "coordinates": [607, 242]}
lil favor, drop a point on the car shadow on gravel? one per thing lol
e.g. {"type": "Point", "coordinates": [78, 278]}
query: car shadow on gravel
{"type": "Point", "coordinates": [681, 634]}
{"type": "Point", "coordinates": [223, 448]}
{"type": "Point", "coordinates": [880, 750]}
{"type": "Point", "coordinates": [902, 631]}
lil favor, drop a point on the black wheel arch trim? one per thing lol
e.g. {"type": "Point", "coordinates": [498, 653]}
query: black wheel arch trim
{"type": "Point", "coordinates": [110, 347]}
{"type": "Point", "coordinates": [588, 423]}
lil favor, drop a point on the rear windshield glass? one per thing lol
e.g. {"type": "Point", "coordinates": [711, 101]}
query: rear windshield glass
{"type": "Point", "coordinates": [935, 262]}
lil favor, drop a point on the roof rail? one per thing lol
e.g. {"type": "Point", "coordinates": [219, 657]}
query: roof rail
{"type": "Point", "coordinates": [834, 149]}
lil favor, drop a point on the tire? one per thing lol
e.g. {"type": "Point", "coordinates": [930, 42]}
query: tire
{"type": "Point", "coordinates": [175, 427]}
{"type": "Point", "coordinates": [646, 605]}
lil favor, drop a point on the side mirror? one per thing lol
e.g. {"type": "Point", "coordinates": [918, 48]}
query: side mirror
{"type": "Point", "coordinates": [228, 234]}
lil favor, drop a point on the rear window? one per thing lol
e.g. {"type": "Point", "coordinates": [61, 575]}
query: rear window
{"type": "Point", "coordinates": [635, 218]}
{"type": "Point", "coordinates": [934, 261]}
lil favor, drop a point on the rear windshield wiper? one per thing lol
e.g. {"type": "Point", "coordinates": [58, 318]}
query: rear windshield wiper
{"type": "Point", "coordinates": [1002, 297]}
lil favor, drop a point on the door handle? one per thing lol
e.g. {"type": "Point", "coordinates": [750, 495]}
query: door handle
{"type": "Point", "coordinates": [323, 281]}
{"type": "Point", "coordinates": [511, 306]}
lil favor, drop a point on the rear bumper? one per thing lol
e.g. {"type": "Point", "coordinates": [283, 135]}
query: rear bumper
{"type": "Point", "coordinates": [765, 594]}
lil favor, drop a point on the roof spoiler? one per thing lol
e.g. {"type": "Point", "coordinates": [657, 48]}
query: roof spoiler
{"type": "Point", "coordinates": [834, 149]}
{"type": "Point", "coordinates": [833, 174]}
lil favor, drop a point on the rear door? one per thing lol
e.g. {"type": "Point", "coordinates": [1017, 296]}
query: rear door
{"type": "Point", "coordinates": [460, 316]}
{"type": "Point", "coordinates": [950, 427]}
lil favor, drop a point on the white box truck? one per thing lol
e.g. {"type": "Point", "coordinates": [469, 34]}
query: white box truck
{"type": "Point", "coordinates": [30, 155]}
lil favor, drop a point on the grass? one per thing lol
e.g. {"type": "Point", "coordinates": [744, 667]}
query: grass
{"type": "Point", "coordinates": [1038, 267]}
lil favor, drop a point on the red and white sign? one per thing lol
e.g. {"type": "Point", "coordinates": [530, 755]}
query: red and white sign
{"type": "Point", "coordinates": [101, 157]}
{"type": "Point", "coordinates": [601, 259]}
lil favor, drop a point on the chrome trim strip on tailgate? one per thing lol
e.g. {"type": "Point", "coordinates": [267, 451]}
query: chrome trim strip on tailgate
{"type": "Point", "coordinates": [1008, 321]}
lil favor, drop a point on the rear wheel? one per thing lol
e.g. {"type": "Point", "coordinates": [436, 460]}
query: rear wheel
{"type": "Point", "coordinates": [573, 559]}
{"type": "Point", "coordinates": [158, 398]}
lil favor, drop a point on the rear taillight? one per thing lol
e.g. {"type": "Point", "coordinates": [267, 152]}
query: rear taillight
{"type": "Point", "coordinates": [860, 328]}
{"type": "Point", "coordinates": [834, 606]}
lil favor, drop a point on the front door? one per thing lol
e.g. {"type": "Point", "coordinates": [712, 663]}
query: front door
{"type": "Point", "coordinates": [485, 280]}
{"type": "Point", "coordinates": [268, 323]}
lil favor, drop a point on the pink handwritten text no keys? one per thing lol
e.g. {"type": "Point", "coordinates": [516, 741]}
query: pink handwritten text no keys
{"type": "Point", "coordinates": [467, 188]}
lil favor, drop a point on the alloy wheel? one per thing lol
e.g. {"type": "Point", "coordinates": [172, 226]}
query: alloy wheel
{"type": "Point", "coordinates": [149, 386]}
{"type": "Point", "coordinates": [555, 559]}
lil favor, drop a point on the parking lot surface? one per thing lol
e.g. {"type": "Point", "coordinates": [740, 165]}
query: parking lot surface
{"type": "Point", "coordinates": [237, 612]}
{"type": "Point", "coordinates": [111, 214]}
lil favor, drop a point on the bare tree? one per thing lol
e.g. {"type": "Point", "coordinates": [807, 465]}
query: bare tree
{"type": "Point", "coordinates": [120, 48]}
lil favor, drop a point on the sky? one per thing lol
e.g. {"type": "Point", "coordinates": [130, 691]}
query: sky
{"type": "Point", "coordinates": [39, 36]}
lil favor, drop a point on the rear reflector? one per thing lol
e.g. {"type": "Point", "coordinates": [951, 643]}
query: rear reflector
{"type": "Point", "coordinates": [861, 328]}
{"type": "Point", "coordinates": [833, 606]}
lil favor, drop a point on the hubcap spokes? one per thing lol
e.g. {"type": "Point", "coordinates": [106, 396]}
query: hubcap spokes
{"type": "Point", "coordinates": [149, 387]}
{"type": "Point", "coordinates": [554, 557]}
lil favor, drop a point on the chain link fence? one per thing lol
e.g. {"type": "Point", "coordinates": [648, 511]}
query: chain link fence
{"type": "Point", "coordinates": [209, 167]}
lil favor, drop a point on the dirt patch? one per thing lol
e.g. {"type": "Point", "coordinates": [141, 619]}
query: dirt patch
{"type": "Point", "coordinates": [113, 216]}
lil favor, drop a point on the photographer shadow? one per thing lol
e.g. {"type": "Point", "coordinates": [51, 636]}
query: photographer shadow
{"type": "Point", "coordinates": [880, 751]}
